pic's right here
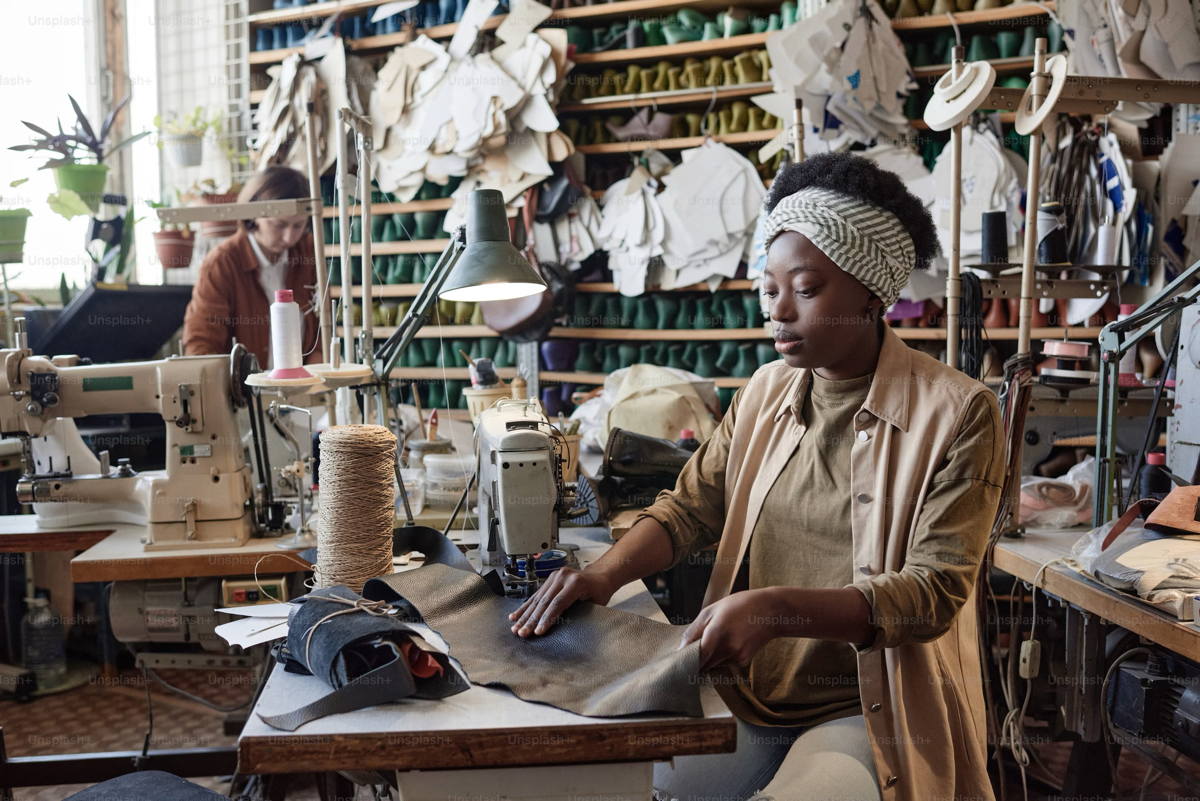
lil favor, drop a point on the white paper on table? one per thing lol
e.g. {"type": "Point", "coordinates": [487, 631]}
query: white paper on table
{"type": "Point", "coordinates": [248, 631]}
{"type": "Point", "coordinates": [260, 610]}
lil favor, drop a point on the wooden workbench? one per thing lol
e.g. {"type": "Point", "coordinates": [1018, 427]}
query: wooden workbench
{"type": "Point", "coordinates": [480, 728]}
{"type": "Point", "coordinates": [1023, 557]}
{"type": "Point", "coordinates": [114, 552]}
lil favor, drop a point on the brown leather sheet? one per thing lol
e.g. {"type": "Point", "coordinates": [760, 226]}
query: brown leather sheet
{"type": "Point", "coordinates": [597, 661]}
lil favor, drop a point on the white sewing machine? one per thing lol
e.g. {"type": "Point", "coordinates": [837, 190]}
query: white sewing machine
{"type": "Point", "coordinates": [521, 492]}
{"type": "Point", "coordinates": [200, 499]}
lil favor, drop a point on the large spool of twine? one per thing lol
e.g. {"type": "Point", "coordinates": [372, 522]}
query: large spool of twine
{"type": "Point", "coordinates": [358, 502]}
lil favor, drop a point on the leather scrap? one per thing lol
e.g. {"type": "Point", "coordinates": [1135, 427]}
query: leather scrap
{"type": "Point", "coordinates": [597, 661]}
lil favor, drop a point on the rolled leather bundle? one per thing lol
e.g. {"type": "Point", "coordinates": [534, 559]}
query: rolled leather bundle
{"type": "Point", "coordinates": [367, 658]}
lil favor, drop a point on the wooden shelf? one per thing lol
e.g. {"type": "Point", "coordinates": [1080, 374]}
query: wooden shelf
{"type": "Point", "coordinates": [599, 378]}
{"type": "Point", "coordinates": [618, 8]}
{"type": "Point", "coordinates": [709, 47]}
{"type": "Point", "coordinates": [1002, 334]}
{"type": "Point", "coordinates": [311, 11]}
{"type": "Point", "coordinates": [1005, 116]}
{"type": "Point", "coordinates": [260, 57]}
{"type": "Point", "coordinates": [731, 284]}
{"type": "Point", "coordinates": [453, 373]}
{"type": "Point", "coordinates": [655, 334]}
{"type": "Point", "coordinates": [333, 249]}
{"type": "Point", "coordinates": [1016, 64]}
{"type": "Point", "coordinates": [624, 8]}
{"type": "Point", "coordinates": [436, 204]}
{"type": "Point", "coordinates": [677, 97]}
{"type": "Point", "coordinates": [971, 17]}
{"type": "Point", "coordinates": [380, 291]}
{"type": "Point", "coordinates": [679, 143]}
{"type": "Point", "coordinates": [433, 331]}
{"type": "Point", "coordinates": [361, 44]}
{"type": "Point", "coordinates": [672, 334]}
{"type": "Point", "coordinates": [411, 290]}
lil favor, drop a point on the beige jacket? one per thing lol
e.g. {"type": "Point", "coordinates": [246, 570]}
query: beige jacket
{"type": "Point", "coordinates": [920, 681]}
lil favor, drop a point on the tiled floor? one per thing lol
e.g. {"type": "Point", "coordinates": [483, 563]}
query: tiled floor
{"type": "Point", "coordinates": [110, 715]}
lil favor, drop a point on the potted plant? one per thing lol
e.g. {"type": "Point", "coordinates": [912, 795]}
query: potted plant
{"type": "Point", "coordinates": [207, 192]}
{"type": "Point", "coordinates": [12, 234]}
{"type": "Point", "coordinates": [183, 136]}
{"type": "Point", "coordinates": [80, 182]}
{"type": "Point", "coordinates": [174, 243]}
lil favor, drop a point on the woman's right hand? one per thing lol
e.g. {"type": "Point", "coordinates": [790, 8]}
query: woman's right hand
{"type": "Point", "coordinates": [565, 586]}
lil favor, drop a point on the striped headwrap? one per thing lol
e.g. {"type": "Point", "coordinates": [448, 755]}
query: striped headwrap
{"type": "Point", "coordinates": [866, 241]}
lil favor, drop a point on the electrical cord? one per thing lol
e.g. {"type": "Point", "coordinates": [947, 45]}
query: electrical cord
{"type": "Point", "coordinates": [970, 323]}
{"type": "Point", "coordinates": [192, 697]}
{"type": "Point", "coordinates": [1109, 739]}
{"type": "Point", "coordinates": [1151, 422]}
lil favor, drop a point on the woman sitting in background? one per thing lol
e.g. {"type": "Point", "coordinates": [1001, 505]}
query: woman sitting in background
{"type": "Point", "coordinates": [238, 279]}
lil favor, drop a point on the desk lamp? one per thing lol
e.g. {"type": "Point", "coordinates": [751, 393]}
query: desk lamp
{"type": "Point", "coordinates": [480, 264]}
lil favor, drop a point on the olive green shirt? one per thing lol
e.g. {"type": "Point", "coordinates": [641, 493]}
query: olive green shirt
{"type": "Point", "coordinates": [802, 539]}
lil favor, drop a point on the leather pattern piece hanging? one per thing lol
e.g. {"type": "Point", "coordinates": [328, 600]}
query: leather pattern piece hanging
{"type": "Point", "coordinates": [596, 661]}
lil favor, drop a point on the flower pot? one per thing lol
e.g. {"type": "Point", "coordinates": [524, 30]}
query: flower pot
{"type": "Point", "coordinates": [85, 180]}
{"type": "Point", "coordinates": [185, 150]}
{"type": "Point", "coordinates": [174, 248]}
{"type": "Point", "coordinates": [218, 229]}
{"type": "Point", "coordinates": [12, 234]}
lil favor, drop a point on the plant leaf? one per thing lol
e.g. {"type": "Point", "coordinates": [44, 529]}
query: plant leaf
{"type": "Point", "coordinates": [112, 117]}
{"type": "Point", "coordinates": [127, 142]}
{"type": "Point", "coordinates": [18, 182]}
{"type": "Point", "coordinates": [37, 129]}
{"type": "Point", "coordinates": [84, 125]}
{"type": "Point", "coordinates": [68, 203]}
{"type": "Point", "coordinates": [126, 241]}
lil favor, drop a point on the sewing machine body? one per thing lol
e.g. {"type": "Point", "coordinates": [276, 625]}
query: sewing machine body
{"type": "Point", "coordinates": [520, 486]}
{"type": "Point", "coordinates": [199, 500]}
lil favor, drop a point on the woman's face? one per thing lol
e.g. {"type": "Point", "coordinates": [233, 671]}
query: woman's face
{"type": "Point", "coordinates": [277, 234]}
{"type": "Point", "coordinates": [822, 315]}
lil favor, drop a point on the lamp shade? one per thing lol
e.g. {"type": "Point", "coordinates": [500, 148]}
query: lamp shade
{"type": "Point", "coordinates": [490, 268]}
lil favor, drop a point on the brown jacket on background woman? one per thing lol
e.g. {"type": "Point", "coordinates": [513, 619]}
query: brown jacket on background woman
{"type": "Point", "coordinates": [229, 302]}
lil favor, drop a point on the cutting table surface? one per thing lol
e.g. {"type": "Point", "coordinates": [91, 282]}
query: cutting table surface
{"type": "Point", "coordinates": [482, 727]}
{"type": "Point", "coordinates": [1023, 557]}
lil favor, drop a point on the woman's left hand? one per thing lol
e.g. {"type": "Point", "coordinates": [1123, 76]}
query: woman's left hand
{"type": "Point", "coordinates": [735, 628]}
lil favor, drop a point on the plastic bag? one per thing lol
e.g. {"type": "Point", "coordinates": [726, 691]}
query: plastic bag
{"type": "Point", "coordinates": [1062, 502]}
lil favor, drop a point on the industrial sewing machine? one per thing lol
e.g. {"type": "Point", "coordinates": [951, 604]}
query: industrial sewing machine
{"type": "Point", "coordinates": [199, 500]}
{"type": "Point", "coordinates": [521, 490]}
